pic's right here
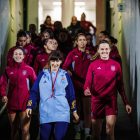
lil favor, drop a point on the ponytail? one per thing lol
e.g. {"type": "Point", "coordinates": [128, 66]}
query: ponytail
{"type": "Point", "coordinates": [112, 39]}
{"type": "Point", "coordinates": [105, 32]}
{"type": "Point", "coordinates": [95, 56]}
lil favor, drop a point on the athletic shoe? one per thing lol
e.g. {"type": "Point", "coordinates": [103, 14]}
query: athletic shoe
{"type": "Point", "coordinates": [82, 130]}
{"type": "Point", "coordinates": [87, 137]}
{"type": "Point", "coordinates": [77, 136]}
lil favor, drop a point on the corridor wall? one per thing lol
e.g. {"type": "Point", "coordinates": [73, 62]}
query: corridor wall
{"type": "Point", "coordinates": [11, 20]}
{"type": "Point", "coordinates": [125, 26]}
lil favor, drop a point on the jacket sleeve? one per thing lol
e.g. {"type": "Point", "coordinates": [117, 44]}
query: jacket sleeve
{"type": "Point", "coordinates": [68, 62]}
{"type": "Point", "coordinates": [32, 77]}
{"type": "Point", "coordinates": [70, 94]}
{"type": "Point", "coordinates": [30, 56]}
{"type": "Point", "coordinates": [120, 85]}
{"type": "Point", "coordinates": [89, 78]}
{"type": "Point", "coordinates": [95, 29]}
{"type": "Point", "coordinates": [3, 84]}
{"type": "Point", "coordinates": [34, 93]}
{"type": "Point", "coordinates": [36, 66]}
{"type": "Point", "coordinates": [10, 57]}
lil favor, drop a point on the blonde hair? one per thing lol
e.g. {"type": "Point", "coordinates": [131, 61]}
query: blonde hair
{"type": "Point", "coordinates": [95, 56]}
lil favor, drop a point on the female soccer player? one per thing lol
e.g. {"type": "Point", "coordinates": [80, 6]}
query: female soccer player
{"type": "Point", "coordinates": [18, 77]}
{"type": "Point", "coordinates": [104, 78]}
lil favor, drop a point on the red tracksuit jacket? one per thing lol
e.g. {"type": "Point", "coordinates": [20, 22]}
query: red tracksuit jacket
{"type": "Point", "coordinates": [115, 49]}
{"type": "Point", "coordinates": [19, 78]}
{"type": "Point", "coordinates": [86, 25]}
{"type": "Point", "coordinates": [65, 47]}
{"type": "Point", "coordinates": [80, 63]}
{"type": "Point", "coordinates": [40, 62]}
{"type": "Point", "coordinates": [28, 55]}
{"type": "Point", "coordinates": [105, 77]}
{"type": "Point", "coordinates": [115, 56]}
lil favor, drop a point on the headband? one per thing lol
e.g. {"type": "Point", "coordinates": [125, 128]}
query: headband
{"type": "Point", "coordinates": [47, 33]}
{"type": "Point", "coordinates": [28, 33]}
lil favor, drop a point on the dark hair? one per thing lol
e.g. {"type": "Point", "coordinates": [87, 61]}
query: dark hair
{"type": "Point", "coordinates": [112, 39]}
{"type": "Point", "coordinates": [105, 32]}
{"type": "Point", "coordinates": [64, 30]}
{"type": "Point", "coordinates": [78, 31]}
{"type": "Point", "coordinates": [103, 41]}
{"type": "Point", "coordinates": [54, 55]}
{"type": "Point", "coordinates": [47, 18]}
{"type": "Point", "coordinates": [49, 30]}
{"type": "Point", "coordinates": [21, 33]}
{"type": "Point", "coordinates": [88, 34]}
{"type": "Point", "coordinates": [42, 43]}
{"type": "Point", "coordinates": [32, 25]}
{"type": "Point", "coordinates": [45, 32]}
{"type": "Point", "coordinates": [20, 49]}
{"type": "Point", "coordinates": [57, 22]}
{"type": "Point", "coordinates": [80, 34]}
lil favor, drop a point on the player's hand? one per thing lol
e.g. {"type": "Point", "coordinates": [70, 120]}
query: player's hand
{"type": "Point", "coordinates": [128, 109]}
{"type": "Point", "coordinates": [76, 117]}
{"type": "Point", "coordinates": [87, 92]}
{"type": "Point", "coordinates": [29, 112]}
{"type": "Point", "coordinates": [4, 99]}
{"type": "Point", "coordinates": [69, 72]}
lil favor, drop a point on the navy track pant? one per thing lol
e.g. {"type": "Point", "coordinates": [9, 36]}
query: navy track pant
{"type": "Point", "coordinates": [59, 127]}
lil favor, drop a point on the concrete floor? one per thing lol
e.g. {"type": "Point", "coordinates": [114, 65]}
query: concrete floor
{"type": "Point", "coordinates": [124, 129]}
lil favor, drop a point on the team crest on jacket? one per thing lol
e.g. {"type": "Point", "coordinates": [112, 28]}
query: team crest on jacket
{"type": "Point", "coordinates": [24, 72]}
{"type": "Point", "coordinates": [26, 51]}
{"type": "Point", "coordinates": [113, 68]}
{"type": "Point", "coordinates": [88, 56]}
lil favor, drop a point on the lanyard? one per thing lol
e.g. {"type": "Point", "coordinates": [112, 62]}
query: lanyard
{"type": "Point", "coordinates": [53, 89]}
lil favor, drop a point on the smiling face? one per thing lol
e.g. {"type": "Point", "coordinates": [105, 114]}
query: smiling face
{"type": "Point", "coordinates": [44, 36]}
{"type": "Point", "coordinates": [55, 64]}
{"type": "Point", "coordinates": [63, 37]}
{"type": "Point", "coordinates": [18, 55]}
{"type": "Point", "coordinates": [81, 41]}
{"type": "Point", "coordinates": [104, 50]}
{"type": "Point", "coordinates": [22, 41]}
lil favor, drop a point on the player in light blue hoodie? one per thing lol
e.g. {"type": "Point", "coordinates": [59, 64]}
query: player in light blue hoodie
{"type": "Point", "coordinates": [54, 88]}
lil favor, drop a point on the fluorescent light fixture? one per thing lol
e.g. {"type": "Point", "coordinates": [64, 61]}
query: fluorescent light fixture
{"type": "Point", "coordinates": [57, 3]}
{"type": "Point", "coordinates": [79, 3]}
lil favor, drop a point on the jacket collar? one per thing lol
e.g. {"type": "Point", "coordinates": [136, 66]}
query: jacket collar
{"type": "Point", "coordinates": [103, 61]}
{"type": "Point", "coordinates": [18, 65]}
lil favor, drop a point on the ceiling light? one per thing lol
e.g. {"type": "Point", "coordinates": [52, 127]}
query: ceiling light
{"type": "Point", "coordinates": [57, 3]}
{"type": "Point", "coordinates": [79, 3]}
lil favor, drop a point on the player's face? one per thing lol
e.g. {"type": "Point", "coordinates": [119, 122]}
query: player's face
{"type": "Point", "coordinates": [104, 50]}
